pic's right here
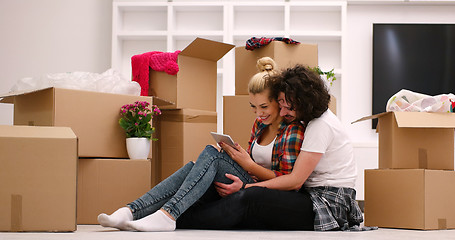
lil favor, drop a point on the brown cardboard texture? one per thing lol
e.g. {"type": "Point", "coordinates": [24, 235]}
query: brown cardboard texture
{"type": "Point", "coordinates": [194, 86]}
{"type": "Point", "coordinates": [415, 140]}
{"type": "Point", "coordinates": [409, 198]}
{"type": "Point", "coordinates": [285, 55]}
{"type": "Point", "coordinates": [333, 104]}
{"type": "Point", "coordinates": [101, 190]}
{"type": "Point", "coordinates": [38, 168]}
{"type": "Point", "coordinates": [182, 135]}
{"type": "Point", "coordinates": [93, 116]}
{"type": "Point", "coordinates": [238, 118]}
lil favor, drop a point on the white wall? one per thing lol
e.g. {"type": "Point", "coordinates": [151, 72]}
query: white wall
{"type": "Point", "coordinates": [357, 75]}
{"type": "Point", "coordinates": [52, 36]}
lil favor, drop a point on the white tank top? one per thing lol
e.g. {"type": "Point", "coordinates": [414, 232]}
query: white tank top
{"type": "Point", "coordinates": [262, 155]}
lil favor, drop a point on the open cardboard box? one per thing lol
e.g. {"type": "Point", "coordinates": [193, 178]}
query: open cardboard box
{"type": "Point", "coordinates": [93, 116]}
{"type": "Point", "coordinates": [101, 190]}
{"type": "Point", "coordinates": [415, 140]}
{"type": "Point", "coordinates": [285, 55]}
{"type": "Point", "coordinates": [38, 167]}
{"type": "Point", "coordinates": [410, 198]}
{"type": "Point", "coordinates": [194, 86]}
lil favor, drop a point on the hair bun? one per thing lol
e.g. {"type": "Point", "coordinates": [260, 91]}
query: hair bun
{"type": "Point", "coordinates": [265, 64]}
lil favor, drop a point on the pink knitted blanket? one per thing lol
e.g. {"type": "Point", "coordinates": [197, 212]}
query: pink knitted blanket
{"type": "Point", "coordinates": [158, 61]}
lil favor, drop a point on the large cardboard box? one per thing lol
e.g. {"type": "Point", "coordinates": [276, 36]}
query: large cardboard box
{"type": "Point", "coordinates": [410, 198]}
{"type": "Point", "coordinates": [104, 185]}
{"type": "Point", "coordinates": [93, 116]}
{"type": "Point", "coordinates": [38, 167]}
{"type": "Point", "coordinates": [285, 55]}
{"type": "Point", "coordinates": [182, 135]}
{"type": "Point", "coordinates": [197, 74]}
{"type": "Point", "coordinates": [415, 140]}
{"type": "Point", "coordinates": [238, 118]}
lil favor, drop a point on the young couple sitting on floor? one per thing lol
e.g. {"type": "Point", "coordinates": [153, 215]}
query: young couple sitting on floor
{"type": "Point", "coordinates": [298, 172]}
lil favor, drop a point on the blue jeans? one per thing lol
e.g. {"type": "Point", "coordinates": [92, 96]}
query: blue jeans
{"type": "Point", "coordinates": [182, 189]}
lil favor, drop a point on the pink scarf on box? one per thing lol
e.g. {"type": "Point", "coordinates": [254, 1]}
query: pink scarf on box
{"type": "Point", "coordinates": [158, 61]}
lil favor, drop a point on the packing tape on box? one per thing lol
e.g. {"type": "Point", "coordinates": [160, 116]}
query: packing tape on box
{"type": "Point", "coordinates": [188, 118]}
{"type": "Point", "coordinates": [442, 223]}
{"type": "Point", "coordinates": [423, 158]}
{"type": "Point", "coordinates": [16, 213]}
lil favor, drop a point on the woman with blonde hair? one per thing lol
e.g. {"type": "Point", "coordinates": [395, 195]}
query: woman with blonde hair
{"type": "Point", "coordinates": [272, 151]}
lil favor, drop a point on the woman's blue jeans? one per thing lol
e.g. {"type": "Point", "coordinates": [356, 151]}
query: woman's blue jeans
{"type": "Point", "coordinates": [182, 189]}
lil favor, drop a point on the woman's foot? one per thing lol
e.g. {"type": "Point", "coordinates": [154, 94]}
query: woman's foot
{"type": "Point", "coordinates": [156, 222]}
{"type": "Point", "coordinates": [118, 219]}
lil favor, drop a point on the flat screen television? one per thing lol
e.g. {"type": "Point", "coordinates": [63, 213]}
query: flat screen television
{"type": "Point", "coordinates": [416, 57]}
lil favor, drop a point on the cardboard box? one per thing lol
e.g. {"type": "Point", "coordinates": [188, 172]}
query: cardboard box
{"type": "Point", "coordinates": [197, 74]}
{"type": "Point", "coordinates": [238, 118]}
{"type": "Point", "coordinates": [415, 140]}
{"type": "Point", "coordinates": [333, 104]}
{"type": "Point", "coordinates": [93, 116]}
{"type": "Point", "coordinates": [285, 55]}
{"type": "Point", "coordinates": [182, 135]}
{"type": "Point", "coordinates": [38, 168]}
{"type": "Point", "coordinates": [410, 198]}
{"type": "Point", "coordinates": [104, 185]}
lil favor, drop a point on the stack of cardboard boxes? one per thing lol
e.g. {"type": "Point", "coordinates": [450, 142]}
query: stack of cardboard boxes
{"type": "Point", "coordinates": [183, 128]}
{"type": "Point", "coordinates": [413, 187]}
{"type": "Point", "coordinates": [82, 150]}
{"type": "Point", "coordinates": [238, 118]}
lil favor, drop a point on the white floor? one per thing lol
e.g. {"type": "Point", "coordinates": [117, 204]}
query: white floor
{"type": "Point", "coordinates": [96, 232]}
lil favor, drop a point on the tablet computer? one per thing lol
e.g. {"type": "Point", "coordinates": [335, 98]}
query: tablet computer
{"type": "Point", "coordinates": [223, 138]}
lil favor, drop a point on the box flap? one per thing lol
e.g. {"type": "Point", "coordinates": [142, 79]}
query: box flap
{"type": "Point", "coordinates": [8, 97]}
{"type": "Point", "coordinates": [206, 49]}
{"type": "Point", "coordinates": [188, 115]}
{"type": "Point", "coordinates": [161, 103]}
{"type": "Point", "coordinates": [425, 120]}
{"type": "Point", "coordinates": [418, 119]}
{"type": "Point", "coordinates": [370, 117]}
{"type": "Point", "coordinates": [36, 132]}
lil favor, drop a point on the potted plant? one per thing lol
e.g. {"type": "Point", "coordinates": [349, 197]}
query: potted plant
{"type": "Point", "coordinates": [135, 120]}
{"type": "Point", "coordinates": [328, 76]}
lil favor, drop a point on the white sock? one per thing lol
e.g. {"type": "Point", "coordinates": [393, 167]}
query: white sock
{"type": "Point", "coordinates": [118, 219]}
{"type": "Point", "coordinates": [156, 222]}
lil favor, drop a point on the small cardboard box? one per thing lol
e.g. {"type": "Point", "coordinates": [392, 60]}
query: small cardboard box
{"type": "Point", "coordinates": [194, 86]}
{"type": "Point", "coordinates": [238, 118]}
{"type": "Point", "coordinates": [104, 185]}
{"type": "Point", "coordinates": [38, 168]}
{"type": "Point", "coordinates": [93, 116]}
{"type": "Point", "coordinates": [410, 140]}
{"type": "Point", "coordinates": [410, 198]}
{"type": "Point", "coordinates": [285, 55]}
{"type": "Point", "coordinates": [182, 135]}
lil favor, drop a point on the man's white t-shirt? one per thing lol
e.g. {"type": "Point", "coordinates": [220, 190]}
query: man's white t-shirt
{"type": "Point", "coordinates": [336, 167]}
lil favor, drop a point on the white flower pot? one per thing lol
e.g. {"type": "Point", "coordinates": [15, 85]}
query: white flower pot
{"type": "Point", "coordinates": [138, 148]}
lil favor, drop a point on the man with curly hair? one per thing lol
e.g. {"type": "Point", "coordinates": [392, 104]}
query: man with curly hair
{"type": "Point", "coordinates": [325, 167]}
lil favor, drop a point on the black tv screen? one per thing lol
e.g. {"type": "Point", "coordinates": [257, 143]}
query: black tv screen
{"type": "Point", "coordinates": [416, 57]}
